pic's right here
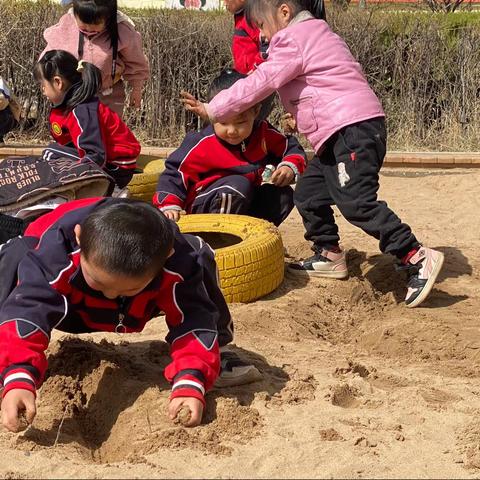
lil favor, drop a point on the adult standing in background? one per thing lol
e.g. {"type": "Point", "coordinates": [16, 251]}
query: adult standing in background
{"type": "Point", "coordinates": [95, 31]}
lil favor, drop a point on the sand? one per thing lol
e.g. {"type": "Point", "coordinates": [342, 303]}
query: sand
{"type": "Point", "coordinates": [355, 384]}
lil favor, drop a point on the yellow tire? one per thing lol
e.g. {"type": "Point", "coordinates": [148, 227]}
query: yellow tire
{"type": "Point", "coordinates": [248, 251]}
{"type": "Point", "coordinates": [143, 184]}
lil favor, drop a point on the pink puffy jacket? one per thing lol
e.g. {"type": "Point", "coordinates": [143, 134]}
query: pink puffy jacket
{"type": "Point", "coordinates": [318, 80]}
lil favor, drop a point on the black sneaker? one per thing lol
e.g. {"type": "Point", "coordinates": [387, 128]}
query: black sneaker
{"type": "Point", "coordinates": [424, 267]}
{"type": "Point", "coordinates": [234, 371]}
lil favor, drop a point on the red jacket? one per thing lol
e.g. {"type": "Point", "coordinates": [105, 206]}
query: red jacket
{"type": "Point", "coordinates": [52, 293]}
{"type": "Point", "coordinates": [92, 130]}
{"type": "Point", "coordinates": [203, 158]}
{"type": "Point", "coordinates": [248, 47]}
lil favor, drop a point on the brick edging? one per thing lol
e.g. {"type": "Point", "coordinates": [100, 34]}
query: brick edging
{"type": "Point", "coordinates": [393, 158]}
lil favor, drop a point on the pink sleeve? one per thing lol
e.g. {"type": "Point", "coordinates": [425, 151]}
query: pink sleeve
{"type": "Point", "coordinates": [284, 63]}
{"type": "Point", "coordinates": [137, 70]}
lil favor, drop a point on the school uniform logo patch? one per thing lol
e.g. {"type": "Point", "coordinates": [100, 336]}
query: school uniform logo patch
{"type": "Point", "coordinates": [56, 128]}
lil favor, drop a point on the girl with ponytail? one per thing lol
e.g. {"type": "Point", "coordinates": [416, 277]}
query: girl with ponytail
{"type": "Point", "coordinates": [80, 124]}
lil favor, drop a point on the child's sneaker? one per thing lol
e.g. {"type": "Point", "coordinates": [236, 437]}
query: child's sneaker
{"type": "Point", "coordinates": [327, 263]}
{"type": "Point", "coordinates": [234, 371]}
{"type": "Point", "coordinates": [424, 265]}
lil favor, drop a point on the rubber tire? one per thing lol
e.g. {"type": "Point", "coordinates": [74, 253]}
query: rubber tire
{"type": "Point", "coordinates": [143, 185]}
{"type": "Point", "coordinates": [250, 269]}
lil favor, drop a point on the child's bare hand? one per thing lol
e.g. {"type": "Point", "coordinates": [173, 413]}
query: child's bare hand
{"type": "Point", "coordinates": [282, 176]}
{"type": "Point", "coordinates": [135, 99]}
{"type": "Point", "coordinates": [194, 105]}
{"type": "Point", "coordinates": [172, 214]}
{"type": "Point", "coordinates": [14, 403]}
{"type": "Point", "coordinates": [288, 123]}
{"type": "Point", "coordinates": [193, 404]}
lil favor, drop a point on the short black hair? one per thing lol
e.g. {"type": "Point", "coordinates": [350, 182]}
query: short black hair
{"type": "Point", "coordinates": [225, 80]}
{"type": "Point", "coordinates": [127, 237]}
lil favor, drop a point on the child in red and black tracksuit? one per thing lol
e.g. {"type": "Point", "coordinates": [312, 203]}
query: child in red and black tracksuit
{"type": "Point", "coordinates": [219, 169]}
{"type": "Point", "coordinates": [249, 48]}
{"type": "Point", "coordinates": [108, 265]}
{"type": "Point", "coordinates": [82, 126]}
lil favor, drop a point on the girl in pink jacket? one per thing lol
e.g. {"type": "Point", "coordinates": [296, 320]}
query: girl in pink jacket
{"type": "Point", "coordinates": [95, 31]}
{"type": "Point", "coordinates": [323, 87]}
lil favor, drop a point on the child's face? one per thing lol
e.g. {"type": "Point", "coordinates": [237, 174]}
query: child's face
{"type": "Point", "coordinates": [236, 129]}
{"type": "Point", "coordinates": [233, 6]}
{"type": "Point", "coordinates": [54, 90]}
{"type": "Point", "coordinates": [112, 285]}
{"type": "Point", "coordinates": [90, 28]}
{"type": "Point", "coordinates": [271, 23]}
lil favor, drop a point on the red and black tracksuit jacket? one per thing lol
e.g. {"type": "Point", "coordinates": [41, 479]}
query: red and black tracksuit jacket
{"type": "Point", "coordinates": [52, 293]}
{"type": "Point", "coordinates": [249, 49]}
{"type": "Point", "coordinates": [92, 131]}
{"type": "Point", "coordinates": [203, 158]}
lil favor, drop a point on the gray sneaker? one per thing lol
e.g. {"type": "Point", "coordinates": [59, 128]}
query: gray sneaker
{"type": "Point", "coordinates": [326, 264]}
{"type": "Point", "coordinates": [235, 371]}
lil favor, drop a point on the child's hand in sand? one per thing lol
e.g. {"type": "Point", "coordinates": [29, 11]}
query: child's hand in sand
{"type": "Point", "coordinates": [282, 176]}
{"type": "Point", "coordinates": [194, 105]}
{"type": "Point", "coordinates": [186, 410]}
{"type": "Point", "coordinates": [172, 214]}
{"type": "Point", "coordinates": [15, 404]}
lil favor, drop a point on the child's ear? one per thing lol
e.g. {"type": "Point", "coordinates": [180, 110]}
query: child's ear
{"type": "Point", "coordinates": [58, 82]}
{"type": "Point", "coordinates": [286, 12]}
{"type": "Point", "coordinates": [77, 230]}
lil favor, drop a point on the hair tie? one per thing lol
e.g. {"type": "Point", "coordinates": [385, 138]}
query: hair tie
{"type": "Point", "coordinates": [81, 66]}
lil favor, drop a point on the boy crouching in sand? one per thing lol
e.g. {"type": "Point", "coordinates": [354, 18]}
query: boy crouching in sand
{"type": "Point", "coordinates": [221, 169]}
{"type": "Point", "coordinates": [111, 265]}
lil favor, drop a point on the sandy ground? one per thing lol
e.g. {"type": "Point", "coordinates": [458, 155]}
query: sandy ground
{"type": "Point", "coordinates": [355, 384]}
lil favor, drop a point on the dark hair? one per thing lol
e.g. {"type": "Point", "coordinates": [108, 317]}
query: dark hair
{"type": "Point", "coordinates": [127, 237]}
{"type": "Point", "coordinates": [255, 7]}
{"type": "Point", "coordinates": [65, 65]}
{"type": "Point", "coordinates": [94, 11]}
{"type": "Point", "coordinates": [224, 81]}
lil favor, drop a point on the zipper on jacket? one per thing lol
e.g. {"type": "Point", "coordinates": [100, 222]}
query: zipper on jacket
{"type": "Point", "coordinates": [121, 328]}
